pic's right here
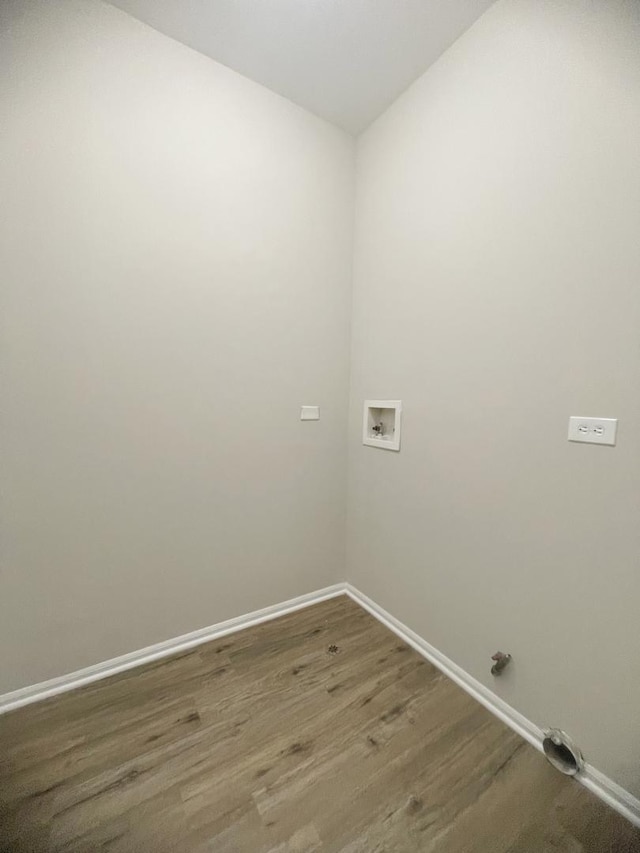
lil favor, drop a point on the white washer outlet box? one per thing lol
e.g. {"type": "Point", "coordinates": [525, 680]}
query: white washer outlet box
{"type": "Point", "coordinates": [593, 430]}
{"type": "Point", "coordinates": [381, 424]}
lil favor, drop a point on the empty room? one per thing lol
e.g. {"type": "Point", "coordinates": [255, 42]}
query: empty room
{"type": "Point", "coordinates": [319, 368]}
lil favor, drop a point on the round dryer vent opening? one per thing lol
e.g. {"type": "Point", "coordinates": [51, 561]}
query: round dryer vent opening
{"type": "Point", "coordinates": [562, 752]}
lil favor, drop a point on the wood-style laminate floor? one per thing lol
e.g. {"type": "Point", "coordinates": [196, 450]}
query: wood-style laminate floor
{"type": "Point", "coordinates": [267, 742]}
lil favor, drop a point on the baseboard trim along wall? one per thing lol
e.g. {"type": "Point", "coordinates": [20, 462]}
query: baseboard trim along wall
{"type": "Point", "coordinates": [606, 789]}
{"type": "Point", "coordinates": [64, 683]}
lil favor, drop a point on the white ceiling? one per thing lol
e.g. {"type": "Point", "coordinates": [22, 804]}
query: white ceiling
{"type": "Point", "coordinates": [345, 60]}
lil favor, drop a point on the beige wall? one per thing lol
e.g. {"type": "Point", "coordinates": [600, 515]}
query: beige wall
{"type": "Point", "coordinates": [176, 258]}
{"type": "Point", "coordinates": [175, 283]}
{"type": "Point", "coordinates": [497, 292]}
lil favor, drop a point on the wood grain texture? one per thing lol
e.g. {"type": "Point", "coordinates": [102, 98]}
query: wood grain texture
{"type": "Point", "coordinates": [266, 742]}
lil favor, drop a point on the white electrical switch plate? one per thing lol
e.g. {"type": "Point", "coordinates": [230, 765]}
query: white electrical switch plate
{"type": "Point", "coordinates": [593, 430]}
{"type": "Point", "coordinates": [310, 413]}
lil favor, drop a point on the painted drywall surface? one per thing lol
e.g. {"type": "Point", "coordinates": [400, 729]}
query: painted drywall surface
{"type": "Point", "coordinates": [497, 271]}
{"type": "Point", "coordinates": [344, 61]}
{"type": "Point", "coordinates": [176, 261]}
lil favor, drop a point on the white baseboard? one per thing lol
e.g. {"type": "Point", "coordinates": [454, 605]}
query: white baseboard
{"type": "Point", "coordinates": [606, 789]}
{"type": "Point", "coordinates": [63, 683]}
{"type": "Point", "coordinates": [599, 784]}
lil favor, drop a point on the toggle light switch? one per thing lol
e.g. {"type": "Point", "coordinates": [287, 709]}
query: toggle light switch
{"type": "Point", "coordinates": [593, 430]}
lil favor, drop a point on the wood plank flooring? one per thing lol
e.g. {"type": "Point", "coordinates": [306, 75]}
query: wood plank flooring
{"type": "Point", "coordinates": [267, 742]}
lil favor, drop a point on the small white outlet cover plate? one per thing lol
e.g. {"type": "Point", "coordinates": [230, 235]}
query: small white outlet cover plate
{"type": "Point", "coordinates": [310, 413]}
{"type": "Point", "coordinates": [593, 430]}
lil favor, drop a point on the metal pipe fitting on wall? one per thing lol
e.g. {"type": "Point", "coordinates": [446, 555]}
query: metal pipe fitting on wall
{"type": "Point", "coordinates": [501, 661]}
